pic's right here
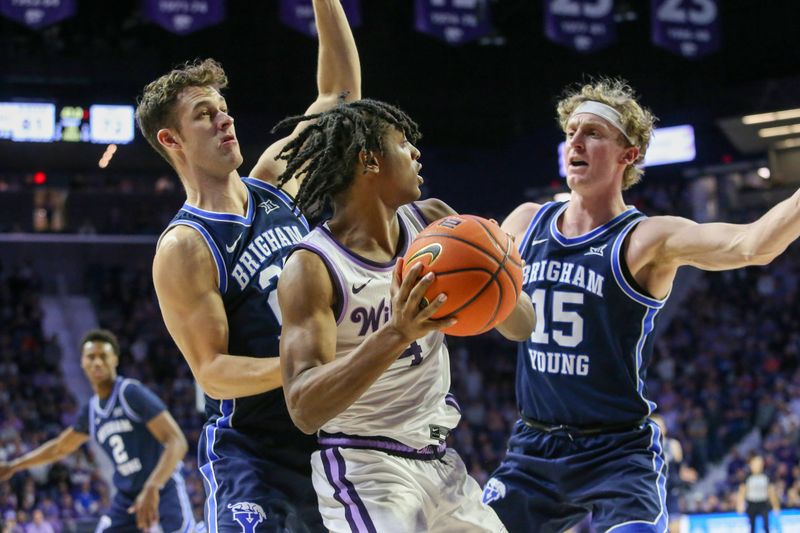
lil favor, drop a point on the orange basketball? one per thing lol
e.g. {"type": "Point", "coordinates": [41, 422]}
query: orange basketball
{"type": "Point", "coordinates": [476, 265]}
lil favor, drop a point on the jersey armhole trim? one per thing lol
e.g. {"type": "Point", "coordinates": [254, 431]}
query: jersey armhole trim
{"type": "Point", "coordinates": [619, 276]}
{"type": "Point", "coordinates": [222, 270]}
{"type": "Point", "coordinates": [124, 402]}
{"type": "Point", "coordinates": [342, 299]}
{"type": "Point", "coordinates": [532, 225]}
{"type": "Point", "coordinates": [419, 215]}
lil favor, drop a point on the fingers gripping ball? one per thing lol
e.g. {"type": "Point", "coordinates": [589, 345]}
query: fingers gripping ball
{"type": "Point", "coordinates": [476, 265]}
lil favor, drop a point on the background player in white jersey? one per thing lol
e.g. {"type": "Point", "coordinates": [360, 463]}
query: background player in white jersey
{"type": "Point", "coordinates": [599, 272]}
{"type": "Point", "coordinates": [215, 271]}
{"type": "Point", "coordinates": [363, 364]}
{"type": "Point", "coordinates": [139, 435]}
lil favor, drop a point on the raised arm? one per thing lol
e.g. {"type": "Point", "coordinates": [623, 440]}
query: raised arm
{"type": "Point", "coordinates": [185, 279]}
{"type": "Point", "coordinates": [67, 442]}
{"type": "Point", "coordinates": [164, 428]}
{"type": "Point", "coordinates": [662, 244]}
{"type": "Point", "coordinates": [338, 74]}
{"type": "Point", "coordinates": [317, 385]}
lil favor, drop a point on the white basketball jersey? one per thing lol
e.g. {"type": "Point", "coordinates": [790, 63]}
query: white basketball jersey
{"type": "Point", "coordinates": [410, 401]}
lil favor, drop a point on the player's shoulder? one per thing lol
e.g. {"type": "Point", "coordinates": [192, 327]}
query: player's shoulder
{"type": "Point", "coordinates": [183, 255]}
{"type": "Point", "coordinates": [660, 227]}
{"type": "Point", "coordinates": [433, 209]}
{"type": "Point", "coordinates": [307, 272]}
{"type": "Point", "coordinates": [517, 222]}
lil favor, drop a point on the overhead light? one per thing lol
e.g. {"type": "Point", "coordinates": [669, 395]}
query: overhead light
{"type": "Point", "coordinates": [779, 131]}
{"type": "Point", "coordinates": [764, 173]}
{"type": "Point", "coordinates": [774, 116]}
{"type": "Point", "coordinates": [792, 142]}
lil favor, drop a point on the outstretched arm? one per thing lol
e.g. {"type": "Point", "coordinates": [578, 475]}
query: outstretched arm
{"type": "Point", "coordinates": [662, 244]}
{"type": "Point", "coordinates": [166, 431]}
{"type": "Point", "coordinates": [67, 442]}
{"type": "Point", "coordinates": [338, 74]}
{"type": "Point", "coordinates": [185, 279]}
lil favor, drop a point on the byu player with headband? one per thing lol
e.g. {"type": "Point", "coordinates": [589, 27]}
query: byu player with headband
{"type": "Point", "coordinates": [599, 272]}
{"type": "Point", "coordinates": [215, 273]}
{"type": "Point", "coordinates": [137, 432]}
{"type": "Point", "coordinates": [363, 364]}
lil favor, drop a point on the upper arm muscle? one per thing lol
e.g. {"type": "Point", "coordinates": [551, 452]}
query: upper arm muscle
{"type": "Point", "coordinates": [308, 338]}
{"type": "Point", "coordinates": [185, 279]}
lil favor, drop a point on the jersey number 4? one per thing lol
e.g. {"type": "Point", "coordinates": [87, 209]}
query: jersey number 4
{"type": "Point", "coordinates": [569, 336]}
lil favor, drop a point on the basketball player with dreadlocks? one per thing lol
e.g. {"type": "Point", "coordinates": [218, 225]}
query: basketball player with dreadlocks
{"type": "Point", "coordinates": [365, 366]}
{"type": "Point", "coordinates": [599, 272]}
{"type": "Point", "coordinates": [215, 273]}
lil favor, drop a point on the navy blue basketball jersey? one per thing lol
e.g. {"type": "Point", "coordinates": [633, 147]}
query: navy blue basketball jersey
{"type": "Point", "coordinates": [584, 364]}
{"type": "Point", "coordinates": [119, 425]}
{"type": "Point", "coordinates": [249, 252]}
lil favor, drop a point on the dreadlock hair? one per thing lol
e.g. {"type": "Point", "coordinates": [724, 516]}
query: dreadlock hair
{"type": "Point", "coordinates": [324, 156]}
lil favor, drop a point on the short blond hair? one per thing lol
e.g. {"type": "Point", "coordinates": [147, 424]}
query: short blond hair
{"type": "Point", "coordinates": [155, 109]}
{"type": "Point", "coordinates": [637, 120]}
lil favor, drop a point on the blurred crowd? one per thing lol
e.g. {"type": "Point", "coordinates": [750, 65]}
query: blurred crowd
{"type": "Point", "coordinates": [727, 364]}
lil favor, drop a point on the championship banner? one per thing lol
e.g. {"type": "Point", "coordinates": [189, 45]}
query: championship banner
{"type": "Point", "coordinates": [584, 25]}
{"type": "Point", "coordinates": [37, 13]}
{"type": "Point", "coordinates": [184, 16]}
{"type": "Point", "coordinates": [686, 27]}
{"type": "Point", "coordinates": [453, 21]}
{"type": "Point", "coordinates": [299, 15]}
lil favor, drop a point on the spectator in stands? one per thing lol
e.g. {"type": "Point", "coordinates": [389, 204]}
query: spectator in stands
{"type": "Point", "coordinates": [756, 494]}
{"type": "Point", "coordinates": [38, 523]}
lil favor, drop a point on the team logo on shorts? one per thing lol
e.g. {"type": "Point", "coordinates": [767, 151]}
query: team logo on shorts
{"type": "Point", "coordinates": [493, 491]}
{"type": "Point", "coordinates": [248, 514]}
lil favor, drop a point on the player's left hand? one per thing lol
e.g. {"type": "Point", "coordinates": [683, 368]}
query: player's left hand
{"type": "Point", "coordinates": [146, 508]}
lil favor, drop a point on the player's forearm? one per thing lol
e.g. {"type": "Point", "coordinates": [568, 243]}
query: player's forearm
{"type": "Point", "coordinates": [234, 376]}
{"type": "Point", "coordinates": [47, 453]}
{"type": "Point", "coordinates": [319, 394]}
{"type": "Point", "coordinates": [174, 451]}
{"type": "Point", "coordinates": [339, 68]}
{"type": "Point", "coordinates": [770, 235]}
{"type": "Point", "coordinates": [519, 325]}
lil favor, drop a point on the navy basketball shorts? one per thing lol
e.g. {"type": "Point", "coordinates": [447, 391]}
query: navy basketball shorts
{"type": "Point", "coordinates": [174, 511]}
{"type": "Point", "coordinates": [253, 486]}
{"type": "Point", "coordinates": [548, 482]}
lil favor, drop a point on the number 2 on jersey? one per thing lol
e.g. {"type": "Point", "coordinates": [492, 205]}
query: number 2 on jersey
{"type": "Point", "coordinates": [268, 281]}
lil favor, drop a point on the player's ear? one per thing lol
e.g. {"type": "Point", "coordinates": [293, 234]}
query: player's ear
{"type": "Point", "coordinates": [369, 163]}
{"type": "Point", "coordinates": [630, 155]}
{"type": "Point", "coordinates": [168, 139]}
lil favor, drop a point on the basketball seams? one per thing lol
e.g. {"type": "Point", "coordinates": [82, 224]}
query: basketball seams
{"type": "Point", "coordinates": [495, 258]}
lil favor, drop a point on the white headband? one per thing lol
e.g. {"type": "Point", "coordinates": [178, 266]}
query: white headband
{"type": "Point", "coordinates": [603, 111]}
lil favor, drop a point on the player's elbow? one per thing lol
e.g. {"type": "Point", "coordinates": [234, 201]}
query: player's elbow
{"type": "Point", "coordinates": [302, 415]}
{"type": "Point", "coordinates": [304, 423]}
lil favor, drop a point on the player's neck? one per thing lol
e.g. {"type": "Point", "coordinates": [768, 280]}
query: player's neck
{"type": "Point", "coordinates": [370, 229]}
{"type": "Point", "coordinates": [227, 195]}
{"type": "Point", "coordinates": [104, 389]}
{"type": "Point", "coordinates": [585, 213]}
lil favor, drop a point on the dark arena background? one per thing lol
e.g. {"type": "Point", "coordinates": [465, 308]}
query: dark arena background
{"type": "Point", "coordinates": [83, 199]}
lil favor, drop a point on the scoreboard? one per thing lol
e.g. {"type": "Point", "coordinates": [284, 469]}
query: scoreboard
{"type": "Point", "coordinates": [47, 122]}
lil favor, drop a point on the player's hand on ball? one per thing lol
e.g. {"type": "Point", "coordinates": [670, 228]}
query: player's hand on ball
{"type": "Point", "coordinates": [411, 313]}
